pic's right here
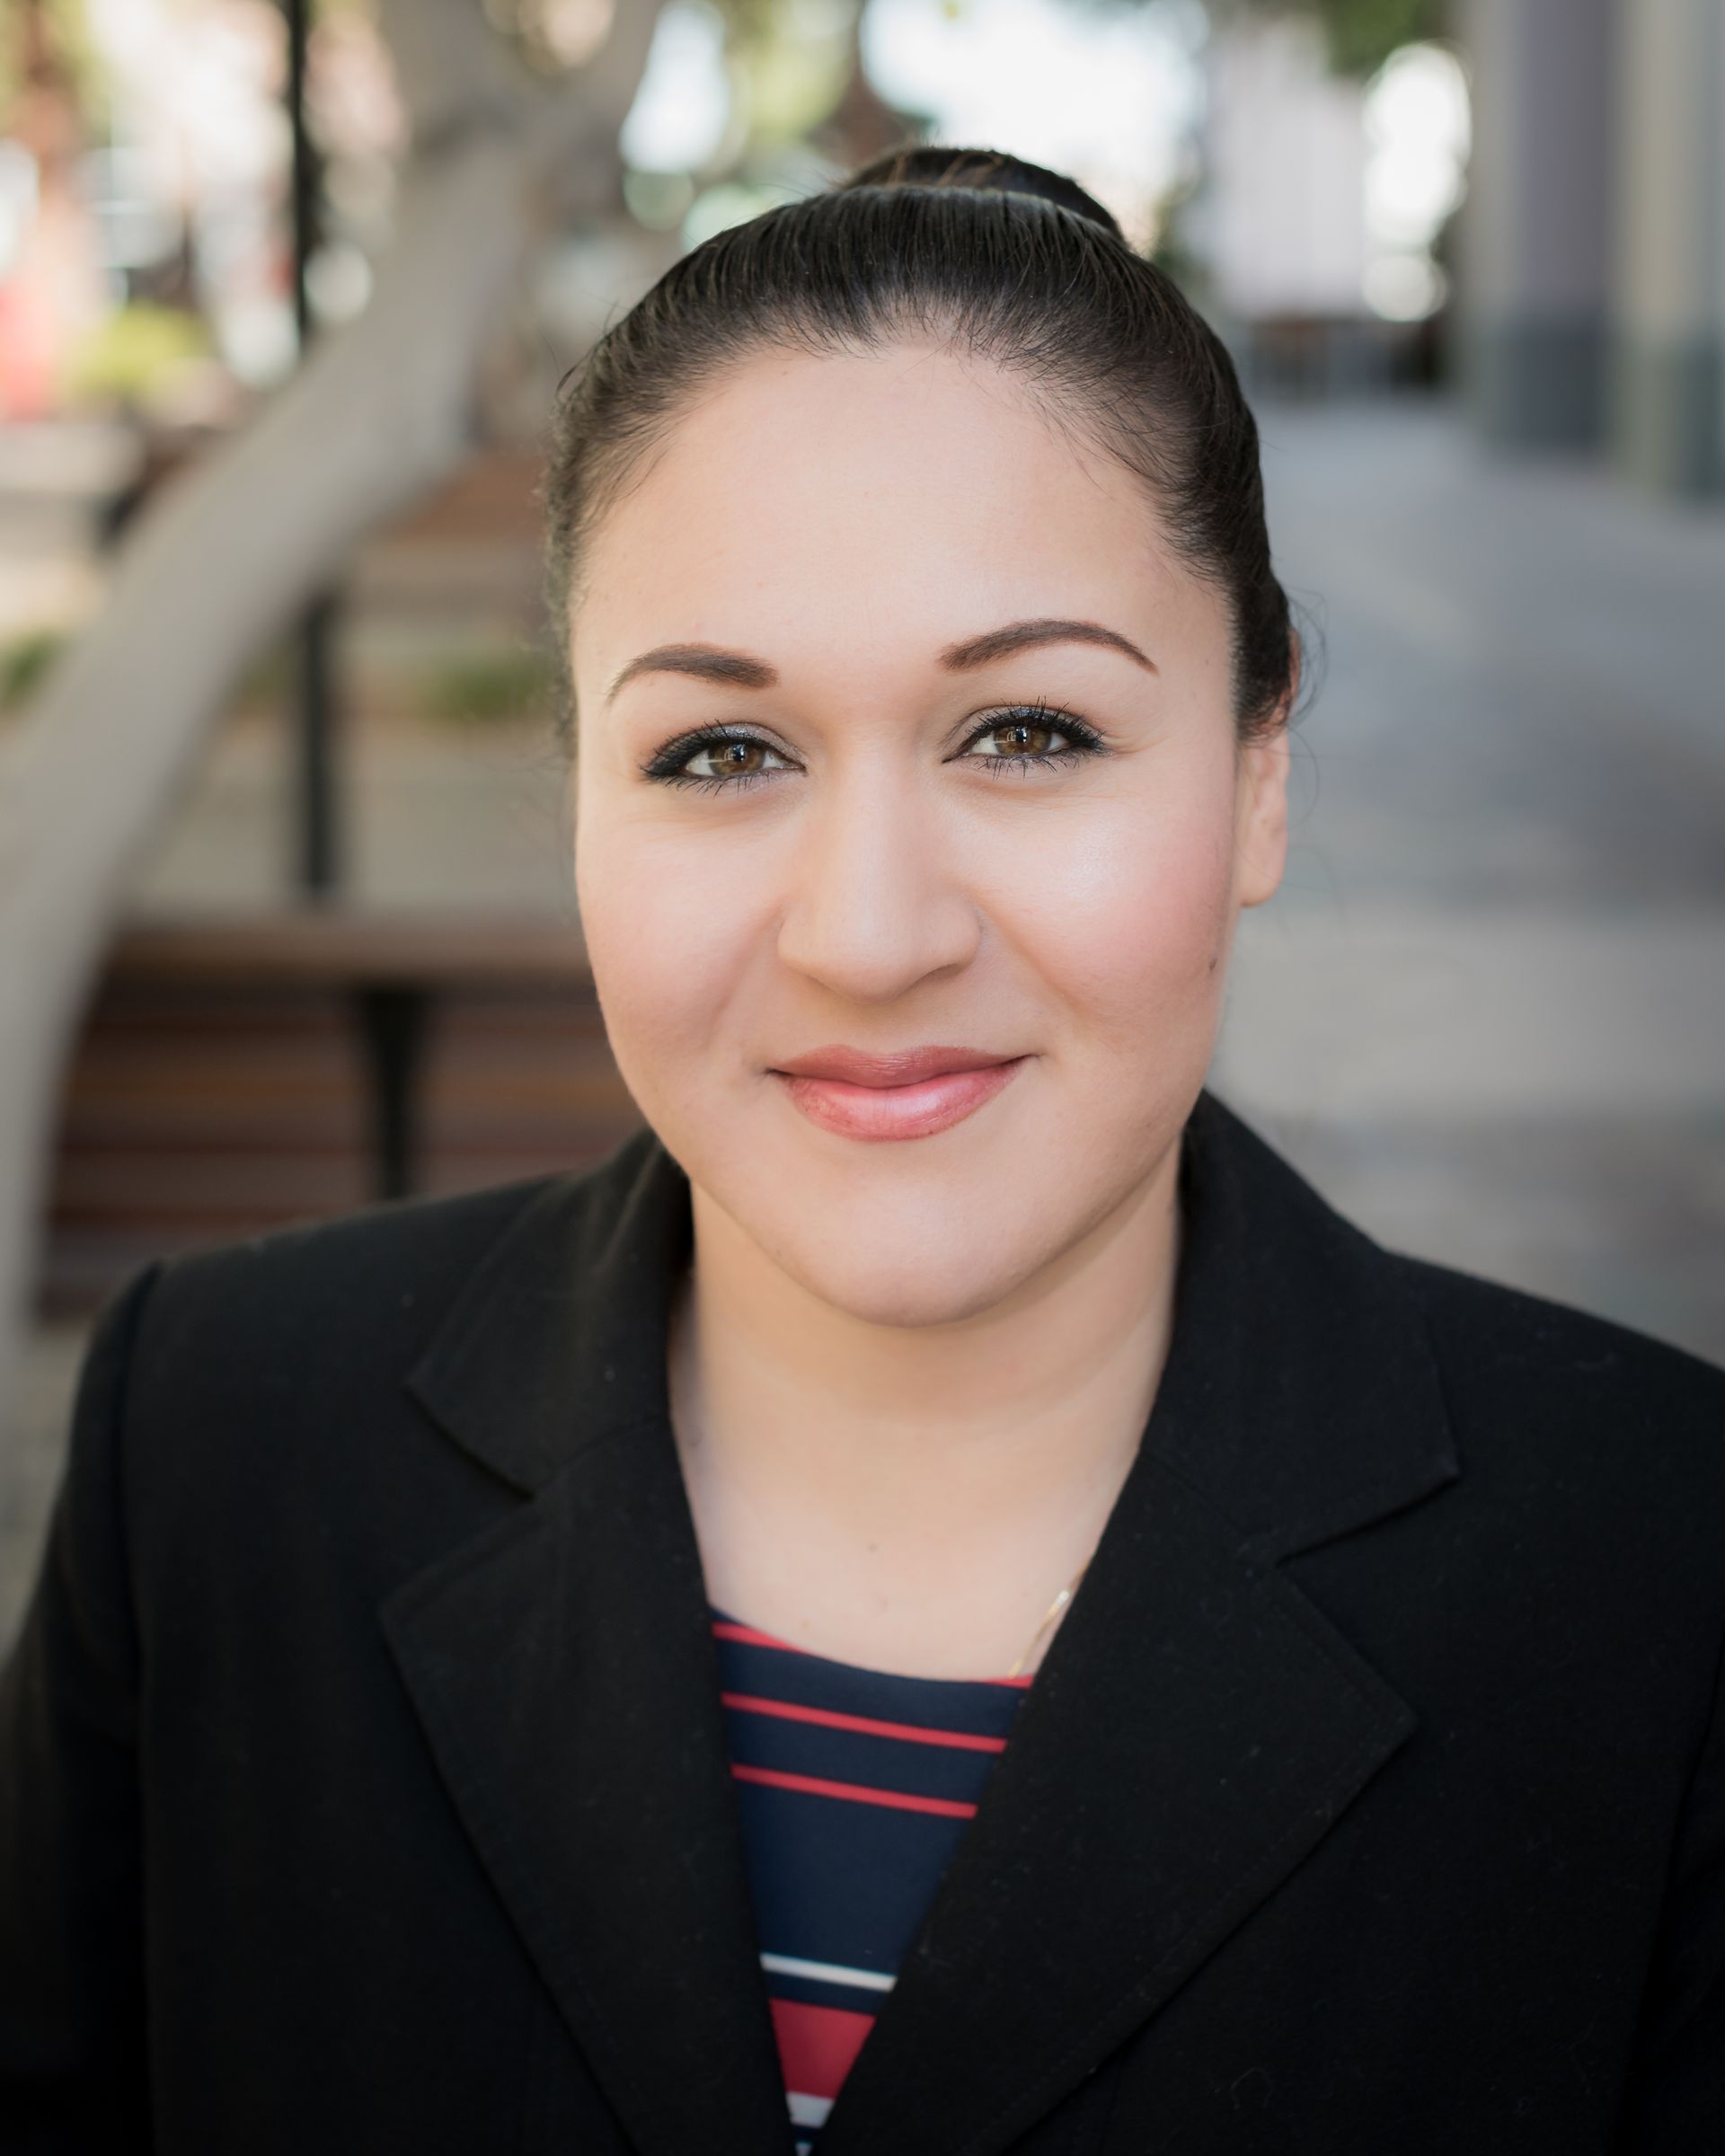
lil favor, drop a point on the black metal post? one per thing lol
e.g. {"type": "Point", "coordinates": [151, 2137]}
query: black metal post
{"type": "Point", "coordinates": [317, 696]}
{"type": "Point", "coordinates": [319, 865]}
{"type": "Point", "coordinates": [304, 180]}
{"type": "Point", "coordinates": [393, 1021]}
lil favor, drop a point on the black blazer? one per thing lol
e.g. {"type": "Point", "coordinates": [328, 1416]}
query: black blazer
{"type": "Point", "coordinates": [362, 1781]}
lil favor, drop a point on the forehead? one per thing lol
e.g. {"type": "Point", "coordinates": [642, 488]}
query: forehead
{"type": "Point", "coordinates": [895, 492]}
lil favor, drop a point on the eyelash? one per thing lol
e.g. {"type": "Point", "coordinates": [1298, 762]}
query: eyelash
{"type": "Point", "coordinates": [1084, 740]}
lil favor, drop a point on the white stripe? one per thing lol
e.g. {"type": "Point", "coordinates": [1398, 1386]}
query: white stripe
{"type": "Point", "coordinates": [804, 2148]}
{"type": "Point", "coordinates": [808, 2110]}
{"type": "Point", "coordinates": [826, 1972]}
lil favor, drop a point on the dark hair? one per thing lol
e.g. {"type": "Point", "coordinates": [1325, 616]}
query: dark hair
{"type": "Point", "coordinates": [1007, 262]}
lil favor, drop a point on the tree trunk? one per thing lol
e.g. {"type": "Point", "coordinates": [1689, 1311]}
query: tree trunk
{"type": "Point", "coordinates": [225, 558]}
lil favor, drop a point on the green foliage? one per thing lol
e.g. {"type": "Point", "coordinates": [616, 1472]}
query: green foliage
{"type": "Point", "coordinates": [269, 677]}
{"type": "Point", "coordinates": [1364, 33]}
{"type": "Point", "coordinates": [70, 49]}
{"type": "Point", "coordinates": [791, 60]}
{"type": "Point", "coordinates": [488, 685]}
{"type": "Point", "coordinates": [135, 351]}
{"type": "Point", "coordinates": [1361, 34]}
{"type": "Point", "coordinates": [24, 660]}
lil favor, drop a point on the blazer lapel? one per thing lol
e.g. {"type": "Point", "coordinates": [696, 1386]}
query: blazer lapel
{"type": "Point", "coordinates": [1198, 1726]}
{"type": "Point", "coordinates": [562, 1668]}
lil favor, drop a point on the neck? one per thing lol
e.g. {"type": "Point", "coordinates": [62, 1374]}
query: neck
{"type": "Point", "coordinates": [914, 1498]}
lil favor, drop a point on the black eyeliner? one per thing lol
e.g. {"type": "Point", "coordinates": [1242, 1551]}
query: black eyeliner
{"type": "Point", "coordinates": [664, 763]}
{"type": "Point", "coordinates": [1084, 738]}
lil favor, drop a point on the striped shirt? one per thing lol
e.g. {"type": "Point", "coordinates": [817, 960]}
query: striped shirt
{"type": "Point", "coordinates": [853, 1786]}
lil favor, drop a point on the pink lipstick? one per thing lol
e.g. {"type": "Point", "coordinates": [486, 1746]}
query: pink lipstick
{"type": "Point", "coordinates": [910, 1094]}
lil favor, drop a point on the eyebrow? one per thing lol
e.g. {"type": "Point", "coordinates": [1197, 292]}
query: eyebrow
{"type": "Point", "coordinates": [739, 670]}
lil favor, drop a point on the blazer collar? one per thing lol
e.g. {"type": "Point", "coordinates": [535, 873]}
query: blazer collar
{"type": "Point", "coordinates": [1212, 1721]}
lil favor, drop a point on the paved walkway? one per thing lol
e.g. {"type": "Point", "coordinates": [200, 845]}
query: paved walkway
{"type": "Point", "coordinates": [1487, 1011]}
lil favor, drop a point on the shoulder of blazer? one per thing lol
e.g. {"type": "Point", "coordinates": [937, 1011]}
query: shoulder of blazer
{"type": "Point", "coordinates": [259, 1372]}
{"type": "Point", "coordinates": [1548, 1364]}
{"type": "Point", "coordinates": [287, 1308]}
{"type": "Point", "coordinates": [1589, 1512]}
{"type": "Point", "coordinates": [332, 1283]}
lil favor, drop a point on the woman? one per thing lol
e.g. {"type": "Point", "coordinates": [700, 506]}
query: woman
{"type": "Point", "coordinates": [600, 1664]}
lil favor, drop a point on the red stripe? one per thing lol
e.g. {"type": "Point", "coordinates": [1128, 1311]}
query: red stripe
{"type": "Point", "coordinates": [817, 2045]}
{"type": "Point", "coordinates": [896, 1800]}
{"type": "Point", "coordinates": [747, 1636]}
{"type": "Point", "coordinates": [787, 1711]}
{"type": "Point", "coordinates": [723, 1629]}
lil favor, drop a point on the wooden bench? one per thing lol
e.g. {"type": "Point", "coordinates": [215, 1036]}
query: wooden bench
{"type": "Point", "coordinates": [235, 1073]}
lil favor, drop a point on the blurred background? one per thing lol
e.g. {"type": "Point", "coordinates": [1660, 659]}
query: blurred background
{"type": "Point", "coordinates": [286, 289]}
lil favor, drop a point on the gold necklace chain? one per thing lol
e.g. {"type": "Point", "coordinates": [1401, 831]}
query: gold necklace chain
{"type": "Point", "coordinates": [1055, 1609]}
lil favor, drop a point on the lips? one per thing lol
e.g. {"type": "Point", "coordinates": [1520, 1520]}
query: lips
{"type": "Point", "coordinates": [906, 1066]}
{"type": "Point", "coordinates": [911, 1093]}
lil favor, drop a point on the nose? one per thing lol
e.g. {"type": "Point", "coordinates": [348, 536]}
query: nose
{"type": "Point", "coordinates": [875, 904]}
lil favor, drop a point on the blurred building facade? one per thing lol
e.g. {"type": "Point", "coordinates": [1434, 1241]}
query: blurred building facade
{"type": "Point", "coordinates": [1593, 241]}
{"type": "Point", "coordinates": [1324, 204]}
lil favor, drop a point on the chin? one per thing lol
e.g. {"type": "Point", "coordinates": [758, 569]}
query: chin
{"type": "Point", "coordinates": [884, 1286]}
{"type": "Point", "coordinates": [890, 1253]}
{"type": "Point", "coordinates": [919, 1293]}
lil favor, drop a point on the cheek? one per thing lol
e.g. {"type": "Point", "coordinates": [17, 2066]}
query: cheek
{"type": "Point", "coordinates": [1130, 923]}
{"type": "Point", "coordinates": [672, 930]}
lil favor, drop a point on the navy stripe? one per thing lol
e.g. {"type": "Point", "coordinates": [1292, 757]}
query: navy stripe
{"type": "Point", "coordinates": [850, 1888]}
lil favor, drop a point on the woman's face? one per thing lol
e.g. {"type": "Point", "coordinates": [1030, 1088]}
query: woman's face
{"type": "Point", "coordinates": [835, 596]}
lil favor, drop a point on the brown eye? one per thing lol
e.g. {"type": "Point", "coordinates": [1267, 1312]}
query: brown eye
{"type": "Point", "coordinates": [1029, 738]}
{"type": "Point", "coordinates": [1022, 737]}
{"type": "Point", "coordinates": [1016, 737]}
{"type": "Point", "coordinates": [737, 756]}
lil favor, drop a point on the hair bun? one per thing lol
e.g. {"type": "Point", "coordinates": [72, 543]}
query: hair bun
{"type": "Point", "coordinates": [985, 172]}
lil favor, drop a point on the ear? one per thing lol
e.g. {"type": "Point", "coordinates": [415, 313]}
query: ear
{"type": "Point", "coordinates": [1260, 819]}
